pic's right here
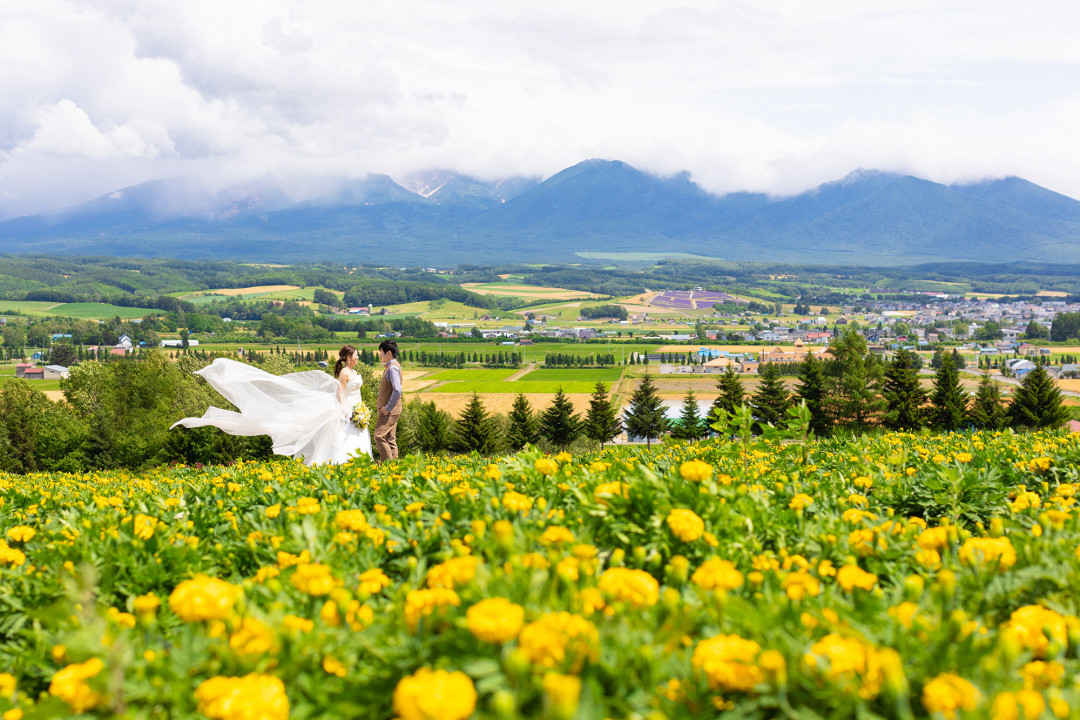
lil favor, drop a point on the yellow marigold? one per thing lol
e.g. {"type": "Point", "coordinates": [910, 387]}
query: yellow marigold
{"type": "Point", "coordinates": [634, 587]}
{"type": "Point", "coordinates": [352, 520]}
{"type": "Point", "coordinates": [904, 613]}
{"type": "Point", "coordinates": [933, 538]}
{"type": "Point", "coordinates": [203, 598]}
{"type": "Point", "coordinates": [535, 561]}
{"type": "Point", "coordinates": [715, 574]}
{"type": "Point", "coordinates": [1025, 500]}
{"type": "Point", "coordinates": [728, 662]}
{"type": "Point", "coordinates": [555, 534]}
{"type": "Point", "coordinates": [122, 619]}
{"type": "Point", "coordinates": [1039, 464]}
{"type": "Point", "coordinates": [146, 605]}
{"type": "Point", "coordinates": [455, 572]}
{"type": "Point", "coordinates": [1020, 705]}
{"type": "Point", "coordinates": [7, 685]}
{"type": "Point", "coordinates": [314, 579]}
{"type": "Point", "coordinates": [252, 697]}
{"type": "Point", "coordinates": [603, 491]}
{"type": "Point", "coordinates": [685, 524]}
{"type": "Point", "coordinates": [853, 576]}
{"type": "Point", "coordinates": [273, 511]}
{"type": "Point", "coordinates": [800, 584]}
{"type": "Point", "coordinates": [856, 516]}
{"type": "Point", "coordinates": [516, 502]}
{"type": "Point", "coordinates": [1035, 627]}
{"type": "Point", "coordinates": [862, 541]}
{"type": "Point", "coordinates": [1039, 675]}
{"type": "Point", "coordinates": [252, 637]}
{"type": "Point", "coordinates": [495, 620]}
{"type": "Point", "coordinates": [10, 555]}
{"type": "Point", "coordinates": [800, 501]}
{"type": "Point", "coordinates": [850, 664]}
{"type": "Point", "coordinates": [295, 623]}
{"type": "Point", "coordinates": [422, 603]}
{"type": "Point", "coordinates": [69, 684]}
{"type": "Point", "coordinates": [21, 533]}
{"type": "Point", "coordinates": [373, 581]}
{"type": "Point", "coordinates": [948, 693]}
{"type": "Point", "coordinates": [997, 552]}
{"type": "Point", "coordinates": [307, 506]}
{"type": "Point", "coordinates": [563, 693]}
{"type": "Point", "coordinates": [546, 466]}
{"type": "Point", "coordinates": [435, 695]}
{"type": "Point", "coordinates": [144, 526]}
{"type": "Point", "coordinates": [287, 560]}
{"type": "Point", "coordinates": [559, 639]}
{"type": "Point", "coordinates": [695, 471]}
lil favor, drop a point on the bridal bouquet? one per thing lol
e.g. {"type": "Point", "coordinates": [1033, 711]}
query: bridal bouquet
{"type": "Point", "coordinates": [361, 415]}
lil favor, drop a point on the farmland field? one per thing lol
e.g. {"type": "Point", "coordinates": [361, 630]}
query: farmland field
{"type": "Point", "coordinates": [581, 374]}
{"type": "Point", "coordinates": [895, 576]}
{"type": "Point", "coordinates": [515, 386]}
{"type": "Point", "coordinates": [481, 374]}
{"type": "Point", "coordinates": [85, 311]}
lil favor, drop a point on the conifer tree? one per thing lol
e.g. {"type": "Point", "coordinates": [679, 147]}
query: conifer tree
{"type": "Point", "coordinates": [811, 390]}
{"type": "Point", "coordinates": [602, 422]}
{"type": "Point", "coordinates": [904, 396]}
{"type": "Point", "coordinates": [558, 423]}
{"type": "Point", "coordinates": [432, 430]}
{"type": "Point", "coordinates": [732, 393]}
{"type": "Point", "coordinates": [772, 399]}
{"type": "Point", "coordinates": [691, 426]}
{"type": "Point", "coordinates": [948, 400]}
{"type": "Point", "coordinates": [473, 430]}
{"type": "Point", "coordinates": [987, 411]}
{"type": "Point", "coordinates": [523, 428]}
{"type": "Point", "coordinates": [854, 379]}
{"type": "Point", "coordinates": [1037, 403]}
{"type": "Point", "coordinates": [645, 416]}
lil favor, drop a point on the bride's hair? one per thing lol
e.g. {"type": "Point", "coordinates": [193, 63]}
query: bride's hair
{"type": "Point", "coordinates": [343, 354]}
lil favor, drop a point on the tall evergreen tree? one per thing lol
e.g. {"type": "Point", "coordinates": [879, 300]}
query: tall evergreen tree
{"type": "Point", "coordinates": [523, 428]}
{"type": "Point", "coordinates": [948, 401]}
{"type": "Point", "coordinates": [431, 432]}
{"type": "Point", "coordinates": [987, 411]}
{"type": "Point", "coordinates": [1037, 403]}
{"type": "Point", "coordinates": [854, 381]}
{"type": "Point", "coordinates": [904, 396]}
{"type": "Point", "coordinates": [558, 423]}
{"type": "Point", "coordinates": [473, 429]}
{"type": "Point", "coordinates": [772, 399]}
{"type": "Point", "coordinates": [811, 390]}
{"type": "Point", "coordinates": [732, 393]}
{"type": "Point", "coordinates": [602, 422]}
{"type": "Point", "coordinates": [645, 417]}
{"type": "Point", "coordinates": [691, 426]}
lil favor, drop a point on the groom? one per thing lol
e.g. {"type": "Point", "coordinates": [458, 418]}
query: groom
{"type": "Point", "coordinates": [389, 401]}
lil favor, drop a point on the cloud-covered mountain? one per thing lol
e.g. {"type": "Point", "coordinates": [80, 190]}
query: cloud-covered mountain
{"type": "Point", "coordinates": [599, 206]}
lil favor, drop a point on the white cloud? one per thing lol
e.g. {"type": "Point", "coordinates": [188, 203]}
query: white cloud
{"type": "Point", "coordinates": [773, 96]}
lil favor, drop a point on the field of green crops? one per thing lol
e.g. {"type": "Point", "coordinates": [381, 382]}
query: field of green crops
{"type": "Point", "coordinates": [478, 374]}
{"type": "Point", "coordinates": [516, 386]}
{"type": "Point", "coordinates": [899, 576]}
{"type": "Point", "coordinates": [574, 374]}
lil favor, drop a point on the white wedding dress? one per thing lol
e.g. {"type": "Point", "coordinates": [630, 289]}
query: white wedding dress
{"type": "Point", "coordinates": [306, 414]}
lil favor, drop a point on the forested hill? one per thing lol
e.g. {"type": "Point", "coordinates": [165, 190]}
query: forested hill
{"type": "Point", "coordinates": [599, 206]}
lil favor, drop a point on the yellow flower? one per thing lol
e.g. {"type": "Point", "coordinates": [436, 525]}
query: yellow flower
{"type": "Point", "coordinates": [203, 598]}
{"type": "Point", "coordinates": [800, 584]}
{"type": "Point", "coordinates": [122, 619]}
{"type": "Point", "coordinates": [1021, 705]}
{"type": "Point", "coordinates": [1035, 628]}
{"type": "Point", "coordinates": [695, 470]}
{"type": "Point", "coordinates": [559, 639]}
{"type": "Point", "coordinates": [7, 685]}
{"type": "Point", "coordinates": [563, 693]}
{"type": "Point", "coordinates": [13, 714]}
{"type": "Point", "coordinates": [546, 466]}
{"type": "Point", "coordinates": [352, 521]}
{"type": "Point", "coordinates": [997, 552]}
{"type": "Point", "coordinates": [144, 526]}
{"type": "Point", "coordinates": [252, 697]}
{"type": "Point", "coordinates": [455, 572]}
{"type": "Point", "coordinates": [435, 695]}
{"type": "Point", "coordinates": [853, 666]}
{"type": "Point", "coordinates": [21, 533]}
{"type": "Point", "coordinates": [314, 579]}
{"type": "Point", "coordinates": [685, 524]}
{"type": "Point", "coordinates": [146, 606]}
{"type": "Point", "coordinates": [852, 576]}
{"type": "Point", "coordinates": [373, 581]}
{"type": "Point", "coordinates": [1025, 500]}
{"type": "Point", "coordinates": [333, 666]}
{"type": "Point", "coordinates": [422, 603]}
{"type": "Point", "coordinates": [800, 501]}
{"type": "Point", "coordinates": [948, 693]}
{"type": "Point", "coordinates": [555, 535]}
{"type": "Point", "coordinates": [273, 511]}
{"type": "Point", "coordinates": [495, 620]}
{"type": "Point", "coordinates": [904, 613]}
{"type": "Point", "coordinates": [610, 489]}
{"type": "Point", "coordinates": [70, 685]}
{"type": "Point", "coordinates": [634, 587]}
{"type": "Point", "coordinates": [297, 624]}
{"type": "Point", "coordinates": [714, 574]}
{"type": "Point", "coordinates": [516, 502]}
{"type": "Point", "coordinates": [1039, 675]}
{"type": "Point", "coordinates": [728, 662]}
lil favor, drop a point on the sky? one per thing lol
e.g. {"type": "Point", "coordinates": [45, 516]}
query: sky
{"type": "Point", "coordinates": [772, 96]}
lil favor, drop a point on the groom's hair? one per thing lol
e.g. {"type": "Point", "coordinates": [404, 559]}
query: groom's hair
{"type": "Point", "coordinates": [389, 346]}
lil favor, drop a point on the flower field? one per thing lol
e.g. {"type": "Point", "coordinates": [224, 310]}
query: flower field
{"type": "Point", "coordinates": [893, 576]}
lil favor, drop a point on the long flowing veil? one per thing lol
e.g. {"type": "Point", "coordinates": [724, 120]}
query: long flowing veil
{"type": "Point", "coordinates": [300, 412]}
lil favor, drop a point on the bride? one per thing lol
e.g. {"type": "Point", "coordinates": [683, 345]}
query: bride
{"type": "Point", "coordinates": [306, 414]}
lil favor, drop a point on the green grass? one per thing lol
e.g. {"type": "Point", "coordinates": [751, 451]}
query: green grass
{"type": "Point", "coordinates": [41, 385]}
{"type": "Point", "coordinates": [482, 374]}
{"type": "Point", "coordinates": [100, 311]}
{"type": "Point", "coordinates": [518, 386]}
{"type": "Point", "coordinates": [573, 374]}
{"type": "Point", "coordinates": [28, 307]}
